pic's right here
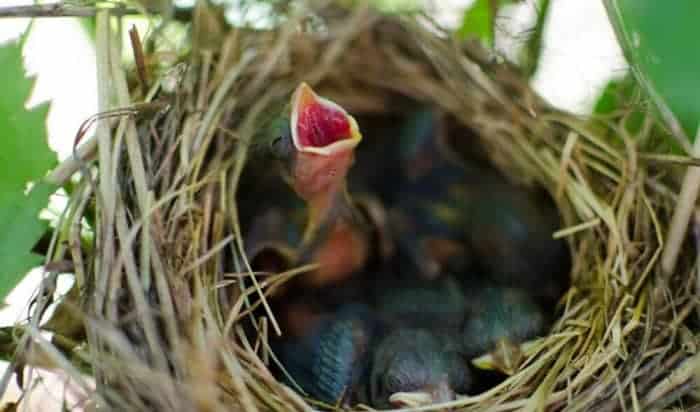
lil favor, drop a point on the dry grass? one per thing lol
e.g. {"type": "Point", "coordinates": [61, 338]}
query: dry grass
{"type": "Point", "coordinates": [161, 187]}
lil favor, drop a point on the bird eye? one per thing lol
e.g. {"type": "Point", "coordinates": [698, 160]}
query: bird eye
{"type": "Point", "coordinates": [281, 146]}
{"type": "Point", "coordinates": [383, 384]}
{"type": "Point", "coordinates": [392, 383]}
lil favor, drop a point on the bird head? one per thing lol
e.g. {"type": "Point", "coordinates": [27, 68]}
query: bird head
{"type": "Point", "coordinates": [318, 148]}
{"type": "Point", "coordinates": [321, 126]}
{"type": "Point", "coordinates": [412, 367]}
{"type": "Point", "coordinates": [324, 138]}
{"type": "Point", "coordinates": [499, 320]}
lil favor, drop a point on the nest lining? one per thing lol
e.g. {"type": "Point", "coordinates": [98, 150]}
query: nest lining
{"type": "Point", "coordinates": [164, 185]}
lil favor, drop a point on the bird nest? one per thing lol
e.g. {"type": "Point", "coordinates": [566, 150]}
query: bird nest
{"type": "Point", "coordinates": [169, 165]}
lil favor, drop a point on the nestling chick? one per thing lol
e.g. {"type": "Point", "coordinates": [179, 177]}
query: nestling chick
{"type": "Point", "coordinates": [416, 366]}
{"type": "Point", "coordinates": [318, 152]}
{"type": "Point", "coordinates": [451, 215]}
{"type": "Point", "coordinates": [501, 318]}
{"type": "Point", "coordinates": [330, 360]}
{"type": "Point", "coordinates": [438, 305]}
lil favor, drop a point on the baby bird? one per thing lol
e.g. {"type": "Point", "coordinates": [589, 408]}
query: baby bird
{"type": "Point", "coordinates": [405, 350]}
{"type": "Point", "coordinates": [439, 305]}
{"type": "Point", "coordinates": [498, 320]}
{"type": "Point", "coordinates": [318, 151]}
{"type": "Point", "coordinates": [451, 215]}
{"type": "Point", "coordinates": [413, 366]}
{"type": "Point", "coordinates": [328, 362]}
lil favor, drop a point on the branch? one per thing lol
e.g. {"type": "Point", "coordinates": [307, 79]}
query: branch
{"type": "Point", "coordinates": [60, 10]}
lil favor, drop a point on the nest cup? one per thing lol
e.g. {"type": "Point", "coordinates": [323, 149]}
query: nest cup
{"type": "Point", "coordinates": [164, 311]}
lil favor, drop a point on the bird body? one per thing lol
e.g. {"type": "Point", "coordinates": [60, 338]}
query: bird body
{"type": "Point", "coordinates": [474, 252]}
{"type": "Point", "coordinates": [498, 314]}
{"type": "Point", "coordinates": [452, 215]}
{"type": "Point", "coordinates": [407, 341]}
{"type": "Point", "coordinates": [317, 149]}
{"type": "Point", "coordinates": [439, 305]}
{"type": "Point", "coordinates": [328, 362]}
{"type": "Point", "coordinates": [416, 360]}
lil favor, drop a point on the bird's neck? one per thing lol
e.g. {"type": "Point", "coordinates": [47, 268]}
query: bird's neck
{"type": "Point", "coordinates": [320, 181]}
{"type": "Point", "coordinates": [326, 210]}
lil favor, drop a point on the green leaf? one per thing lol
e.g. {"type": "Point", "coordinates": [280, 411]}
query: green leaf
{"type": "Point", "coordinates": [617, 94]}
{"type": "Point", "coordinates": [25, 157]}
{"type": "Point", "coordinates": [89, 24]}
{"type": "Point", "coordinates": [478, 22]}
{"type": "Point", "coordinates": [21, 229]}
{"type": "Point", "coordinates": [623, 99]}
{"type": "Point", "coordinates": [659, 40]}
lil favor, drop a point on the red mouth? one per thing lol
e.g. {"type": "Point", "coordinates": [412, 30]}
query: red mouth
{"type": "Point", "coordinates": [319, 125]}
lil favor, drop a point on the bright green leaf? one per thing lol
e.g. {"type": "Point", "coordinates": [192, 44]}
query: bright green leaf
{"type": "Point", "coordinates": [623, 98]}
{"type": "Point", "coordinates": [21, 229]}
{"type": "Point", "coordinates": [478, 22]}
{"type": "Point", "coordinates": [89, 24]}
{"type": "Point", "coordinates": [617, 95]}
{"type": "Point", "coordinates": [24, 158]}
{"type": "Point", "coordinates": [479, 18]}
{"type": "Point", "coordinates": [660, 42]}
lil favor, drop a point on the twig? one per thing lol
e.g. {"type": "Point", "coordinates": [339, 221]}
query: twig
{"type": "Point", "coordinates": [139, 58]}
{"type": "Point", "coordinates": [86, 152]}
{"type": "Point", "coordinates": [680, 379]}
{"type": "Point", "coordinates": [681, 215]}
{"type": "Point", "coordinates": [61, 10]}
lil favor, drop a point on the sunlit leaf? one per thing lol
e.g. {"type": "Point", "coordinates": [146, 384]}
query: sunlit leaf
{"type": "Point", "coordinates": [623, 99]}
{"type": "Point", "coordinates": [25, 157]}
{"type": "Point", "coordinates": [478, 21]}
{"type": "Point", "coordinates": [621, 96]}
{"type": "Point", "coordinates": [659, 40]}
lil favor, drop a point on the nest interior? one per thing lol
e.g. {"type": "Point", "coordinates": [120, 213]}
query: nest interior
{"type": "Point", "coordinates": [168, 172]}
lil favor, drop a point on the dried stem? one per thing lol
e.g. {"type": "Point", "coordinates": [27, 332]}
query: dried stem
{"type": "Point", "coordinates": [681, 216]}
{"type": "Point", "coordinates": [61, 10]}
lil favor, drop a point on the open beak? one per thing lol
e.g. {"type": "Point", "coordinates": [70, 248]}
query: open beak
{"type": "Point", "coordinates": [324, 137]}
{"type": "Point", "coordinates": [410, 399]}
{"type": "Point", "coordinates": [438, 394]}
{"type": "Point", "coordinates": [321, 126]}
{"type": "Point", "coordinates": [507, 357]}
